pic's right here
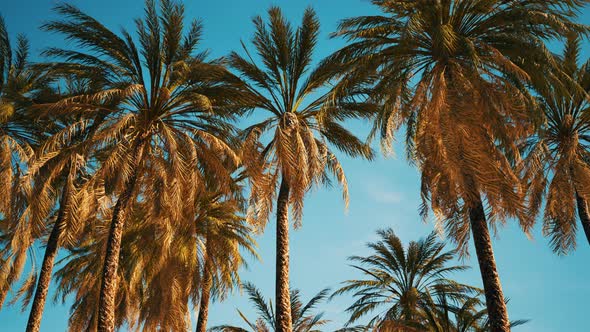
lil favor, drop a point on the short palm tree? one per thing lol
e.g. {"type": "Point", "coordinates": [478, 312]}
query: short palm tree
{"type": "Point", "coordinates": [300, 127]}
{"type": "Point", "coordinates": [557, 155]}
{"type": "Point", "coordinates": [398, 280]}
{"type": "Point", "coordinates": [303, 319]}
{"type": "Point", "coordinates": [225, 234]}
{"type": "Point", "coordinates": [166, 107]}
{"type": "Point", "coordinates": [454, 73]}
{"type": "Point", "coordinates": [64, 176]}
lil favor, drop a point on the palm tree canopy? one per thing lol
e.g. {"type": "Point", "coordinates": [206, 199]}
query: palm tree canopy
{"type": "Point", "coordinates": [397, 279]}
{"type": "Point", "coordinates": [21, 86]}
{"type": "Point", "coordinates": [160, 100]}
{"type": "Point", "coordinates": [453, 72]}
{"type": "Point", "coordinates": [301, 124]}
{"type": "Point", "coordinates": [556, 163]}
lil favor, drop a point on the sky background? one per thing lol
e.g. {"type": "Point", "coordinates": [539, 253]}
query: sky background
{"type": "Point", "coordinates": [549, 290]}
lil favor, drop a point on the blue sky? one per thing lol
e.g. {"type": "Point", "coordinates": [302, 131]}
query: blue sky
{"type": "Point", "coordinates": [549, 290]}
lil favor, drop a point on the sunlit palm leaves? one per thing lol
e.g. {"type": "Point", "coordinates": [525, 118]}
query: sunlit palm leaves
{"type": "Point", "coordinates": [20, 86]}
{"type": "Point", "coordinates": [224, 234]}
{"type": "Point", "coordinates": [557, 155]}
{"type": "Point", "coordinates": [293, 141]}
{"type": "Point", "coordinates": [166, 116]}
{"type": "Point", "coordinates": [454, 73]}
{"type": "Point", "coordinates": [291, 145]}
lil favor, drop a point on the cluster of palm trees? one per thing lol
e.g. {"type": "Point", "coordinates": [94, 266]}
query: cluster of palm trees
{"type": "Point", "coordinates": [123, 149]}
{"type": "Point", "coordinates": [405, 288]}
{"type": "Point", "coordinates": [410, 289]}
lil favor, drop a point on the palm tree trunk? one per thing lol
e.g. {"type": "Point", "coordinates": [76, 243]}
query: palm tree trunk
{"type": "Point", "coordinates": [584, 215]}
{"type": "Point", "coordinates": [108, 289]}
{"type": "Point", "coordinates": [497, 313]}
{"type": "Point", "coordinates": [282, 292]}
{"type": "Point", "coordinates": [207, 283]}
{"type": "Point", "coordinates": [34, 323]}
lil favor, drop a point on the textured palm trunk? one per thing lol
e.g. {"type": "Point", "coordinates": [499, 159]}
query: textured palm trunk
{"type": "Point", "coordinates": [282, 292]}
{"type": "Point", "coordinates": [584, 215]}
{"type": "Point", "coordinates": [34, 322]}
{"type": "Point", "coordinates": [108, 289]}
{"type": "Point", "coordinates": [497, 313]}
{"type": "Point", "coordinates": [207, 283]}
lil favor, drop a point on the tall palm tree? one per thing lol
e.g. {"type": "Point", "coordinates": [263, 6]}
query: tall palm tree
{"type": "Point", "coordinates": [59, 172]}
{"type": "Point", "coordinates": [303, 319]}
{"type": "Point", "coordinates": [66, 212]}
{"type": "Point", "coordinates": [167, 108]}
{"type": "Point", "coordinates": [557, 155]}
{"type": "Point", "coordinates": [398, 280]}
{"type": "Point", "coordinates": [454, 72]}
{"type": "Point", "coordinates": [299, 127]}
{"type": "Point", "coordinates": [21, 85]}
{"type": "Point", "coordinates": [224, 233]}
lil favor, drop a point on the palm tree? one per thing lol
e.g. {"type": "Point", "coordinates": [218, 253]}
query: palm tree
{"type": "Point", "coordinates": [300, 125]}
{"type": "Point", "coordinates": [166, 107]}
{"type": "Point", "coordinates": [59, 166]}
{"type": "Point", "coordinates": [398, 280]}
{"type": "Point", "coordinates": [26, 91]}
{"type": "Point", "coordinates": [557, 156]}
{"type": "Point", "coordinates": [454, 72]}
{"type": "Point", "coordinates": [224, 234]}
{"type": "Point", "coordinates": [20, 86]}
{"type": "Point", "coordinates": [66, 212]}
{"type": "Point", "coordinates": [303, 320]}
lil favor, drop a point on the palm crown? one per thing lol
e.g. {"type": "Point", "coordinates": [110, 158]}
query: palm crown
{"type": "Point", "coordinates": [399, 280]}
{"type": "Point", "coordinates": [453, 72]}
{"type": "Point", "coordinates": [301, 124]}
{"type": "Point", "coordinates": [556, 163]}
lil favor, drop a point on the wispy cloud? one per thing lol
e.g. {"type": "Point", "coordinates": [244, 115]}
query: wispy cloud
{"type": "Point", "coordinates": [378, 191]}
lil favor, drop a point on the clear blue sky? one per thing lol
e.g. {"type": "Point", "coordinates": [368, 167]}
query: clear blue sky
{"type": "Point", "coordinates": [549, 290]}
